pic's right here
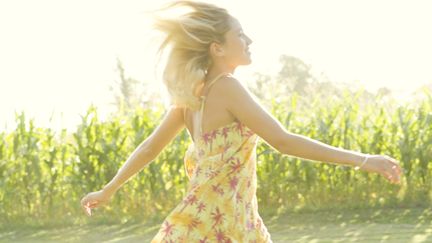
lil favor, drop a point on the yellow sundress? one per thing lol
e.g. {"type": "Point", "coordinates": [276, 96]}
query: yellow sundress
{"type": "Point", "coordinates": [220, 204]}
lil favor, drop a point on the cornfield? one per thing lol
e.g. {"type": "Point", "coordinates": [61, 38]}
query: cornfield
{"type": "Point", "coordinates": [44, 173]}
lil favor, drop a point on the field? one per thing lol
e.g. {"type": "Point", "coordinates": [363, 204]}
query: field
{"type": "Point", "coordinates": [366, 225]}
{"type": "Point", "coordinates": [44, 174]}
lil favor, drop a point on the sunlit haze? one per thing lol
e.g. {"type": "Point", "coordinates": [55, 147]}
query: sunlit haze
{"type": "Point", "coordinates": [58, 57]}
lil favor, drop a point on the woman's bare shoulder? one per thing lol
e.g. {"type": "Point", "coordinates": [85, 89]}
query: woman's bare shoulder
{"type": "Point", "coordinates": [229, 82]}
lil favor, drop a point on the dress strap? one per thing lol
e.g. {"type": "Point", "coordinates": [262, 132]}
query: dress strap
{"type": "Point", "coordinates": [203, 99]}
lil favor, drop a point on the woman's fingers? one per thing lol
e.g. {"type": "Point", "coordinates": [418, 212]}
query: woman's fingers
{"type": "Point", "coordinates": [396, 166]}
{"type": "Point", "coordinates": [388, 176]}
{"type": "Point", "coordinates": [93, 204]}
{"type": "Point", "coordinates": [392, 179]}
{"type": "Point", "coordinates": [395, 170]}
{"type": "Point", "coordinates": [391, 175]}
{"type": "Point", "coordinates": [394, 175]}
{"type": "Point", "coordinates": [94, 200]}
{"type": "Point", "coordinates": [87, 204]}
{"type": "Point", "coordinates": [86, 208]}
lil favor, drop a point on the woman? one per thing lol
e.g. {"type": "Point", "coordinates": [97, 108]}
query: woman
{"type": "Point", "coordinates": [207, 45]}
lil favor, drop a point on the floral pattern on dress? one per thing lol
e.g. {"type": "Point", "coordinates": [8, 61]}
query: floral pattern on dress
{"type": "Point", "coordinates": [220, 204]}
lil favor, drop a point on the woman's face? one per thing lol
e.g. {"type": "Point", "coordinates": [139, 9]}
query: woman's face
{"type": "Point", "coordinates": [236, 46]}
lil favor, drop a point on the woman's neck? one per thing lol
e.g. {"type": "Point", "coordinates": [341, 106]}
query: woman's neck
{"type": "Point", "coordinates": [215, 71]}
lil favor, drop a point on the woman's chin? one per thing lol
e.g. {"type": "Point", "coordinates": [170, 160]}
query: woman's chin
{"type": "Point", "coordinates": [247, 61]}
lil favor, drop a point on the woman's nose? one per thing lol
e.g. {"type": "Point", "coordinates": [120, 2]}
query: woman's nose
{"type": "Point", "coordinates": [249, 40]}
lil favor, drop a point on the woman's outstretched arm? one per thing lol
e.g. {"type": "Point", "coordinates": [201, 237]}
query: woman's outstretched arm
{"type": "Point", "coordinates": [149, 149]}
{"type": "Point", "coordinates": [308, 148]}
{"type": "Point", "coordinates": [244, 106]}
{"type": "Point", "coordinates": [146, 152]}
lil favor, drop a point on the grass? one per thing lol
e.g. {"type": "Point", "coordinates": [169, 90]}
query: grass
{"type": "Point", "coordinates": [361, 225]}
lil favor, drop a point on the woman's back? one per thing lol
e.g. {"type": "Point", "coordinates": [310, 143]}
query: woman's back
{"type": "Point", "coordinates": [213, 109]}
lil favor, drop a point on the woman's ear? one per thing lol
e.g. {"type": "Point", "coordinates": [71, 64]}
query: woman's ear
{"type": "Point", "coordinates": [216, 49]}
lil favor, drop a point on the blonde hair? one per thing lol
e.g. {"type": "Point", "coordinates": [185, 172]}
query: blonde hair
{"type": "Point", "coordinates": [189, 37]}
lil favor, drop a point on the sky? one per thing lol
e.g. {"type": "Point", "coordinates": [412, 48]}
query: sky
{"type": "Point", "coordinates": [57, 57]}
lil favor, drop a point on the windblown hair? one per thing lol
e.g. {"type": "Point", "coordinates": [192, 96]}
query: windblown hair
{"type": "Point", "coordinates": [189, 37]}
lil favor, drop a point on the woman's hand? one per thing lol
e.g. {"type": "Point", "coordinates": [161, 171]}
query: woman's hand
{"type": "Point", "coordinates": [384, 165]}
{"type": "Point", "coordinates": [95, 199]}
